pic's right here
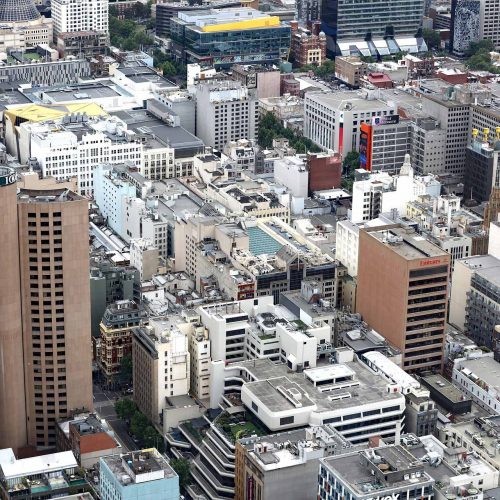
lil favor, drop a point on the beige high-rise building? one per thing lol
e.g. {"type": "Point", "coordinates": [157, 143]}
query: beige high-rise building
{"type": "Point", "coordinates": [55, 296]}
{"type": "Point", "coordinates": [12, 400]}
{"type": "Point", "coordinates": [402, 292]}
{"type": "Point", "coordinates": [45, 268]}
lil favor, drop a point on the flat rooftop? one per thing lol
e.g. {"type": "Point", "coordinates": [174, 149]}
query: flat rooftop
{"type": "Point", "coordinates": [444, 387]}
{"type": "Point", "coordinates": [355, 98]}
{"type": "Point", "coordinates": [407, 243]}
{"type": "Point", "coordinates": [128, 468]}
{"type": "Point", "coordinates": [47, 196]}
{"type": "Point", "coordinates": [368, 388]}
{"type": "Point", "coordinates": [486, 368]}
{"type": "Point", "coordinates": [356, 470]}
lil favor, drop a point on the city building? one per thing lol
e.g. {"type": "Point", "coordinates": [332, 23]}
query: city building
{"type": "Point", "coordinates": [199, 36]}
{"type": "Point", "coordinates": [465, 25]}
{"type": "Point", "coordinates": [427, 146]}
{"type": "Point", "coordinates": [51, 229]}
{"type": "Point", "coordinates": [333, 120]}
{"type": "Point", "coordinates": [477, 378]}
{"type": "Point", "coordinates": [350, 70]}
{"type": "Point", "coordinates": [384, 143]}
{"type": "Point", "coordinates": [70, 16]}
{"type": "Point", "coordinates": [387, 472]}
{"type": "Point", "coordinates": [308, 45]}
{"type": "Point", "coordinates": [446, 395]}
{"type": "Point", "coordinates": [344, 22]}
{"type": "Point", "coordinates": [13, 432]}
{"type": "Point", "coordinates": [481, 167]}
{"type": "Point", "coordinates": [166, 10]}
{"type": "Point", "coordinates": [453, 116]}
{"type": "Point", "coordinates": [142, 473]}
{"type": "Point", "coordinates": [109, 283]}
{"type": "Point", "coordinates": [421, 414]}
{"type": "Point", "coordinates": [22, 26]}
{"type": "Point", "coordinates": [161, 366]}
{"type": "Point", "coordinates": [145, 257]}
{"type": "Point", "coordinates": [86, 44]}
{"type": "Point", "coordinates": [88, 437]}
{"type": "Point", "coordinates": [283, 399]}
{"type": "Point", "coordinates": [489, 28]}
{"type": "Point", "coordinates": [51, 476]}
{"type": "Point", "coordinates": [479, 436]}
{"type": "Point", "coordinates": [286, 463]}
{"type": "Point", "coordinates": [402, 292]}
{"type": "Point", "coordinates": [230, 112]}
{"type": "Point", "coordinates": [264, 79]}
{"type": "Point", "coordinates": [116, 327]}
{"type": "Point", "coordinates": [46, 72]}
{"type": "Point", "coordinates": [379, 193]}
{"type": "Point", "coordinates": [474, 299]}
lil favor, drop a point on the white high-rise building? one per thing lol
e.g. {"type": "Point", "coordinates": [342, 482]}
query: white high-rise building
{"type": "Point", "coordinates": [227, 111]}
{"type": "Point", "coordinates": [489, 20]}
{"type": "Point", "coordinates": [71, 16]}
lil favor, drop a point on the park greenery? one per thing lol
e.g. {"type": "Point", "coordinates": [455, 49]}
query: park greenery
{"type": "Point", "coordinates": [138, 424]}
{"type": "Point", "coordinates": [127, 33]}
{"type": "Point", "coordinates": [271, 128]}
{"type": "Point", "coordinates": [349, 165]}
{"type": "Point", "coordinates": [323, 71]}
{"type": "Point", "coordinates": [478, 57]}
{"type": "Point", "coordinates": [167, 65]}
{"type": "Point", "coordinates": [431, 38]}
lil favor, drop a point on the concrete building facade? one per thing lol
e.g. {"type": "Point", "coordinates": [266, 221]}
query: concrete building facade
{"type": "Point", "coordinates": [402, 292]}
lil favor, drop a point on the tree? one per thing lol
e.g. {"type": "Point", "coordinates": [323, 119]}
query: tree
{"type": "Point", "coordinates": [182, 468]}
{"type": "Point", "coordinates": [125, 409]}
{"type": "Point", "coordinates": [126, 369]}
{"type": "Point", "coordinates": [151, 438]}
{"type": "Point", "coordinates": [432, 38]}
{"type": "Point", "coordinates": [351, 162]}
{"type": "Point", "coordinates": [168, 69]}
{"type": "Point", "coordinates": [138, 424]}
{"type": "Point", "coordinates": [327, 68]}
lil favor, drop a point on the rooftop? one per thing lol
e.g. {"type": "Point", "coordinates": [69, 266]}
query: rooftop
{"type": "Point", "coordinates": [43, 464]}
{"type": "Point", "coordinates": [273, 380]}
{"type": "Point", "coordinates": [443, 386]}
{"type": "Point", "coordinates": [406, 242]}
{"type": "Point", "coordinates": [370, 472]}
{"type": "Point", "coordinates": [139, 466]}
{"type": "Point", "coordinates": [47, 196]}
{"type": "Point", "coordinates": [484, 369]}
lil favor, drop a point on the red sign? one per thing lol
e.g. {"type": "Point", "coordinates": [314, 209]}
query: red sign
{"type": "Point", "coordinates": [430, 262]}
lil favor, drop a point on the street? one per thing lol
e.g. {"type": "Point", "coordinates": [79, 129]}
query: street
{"type": "Point", "coordinates": [104, 402]}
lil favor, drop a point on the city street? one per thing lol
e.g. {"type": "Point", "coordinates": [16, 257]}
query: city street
{"type": "Point", "coordinates": [104, 402]}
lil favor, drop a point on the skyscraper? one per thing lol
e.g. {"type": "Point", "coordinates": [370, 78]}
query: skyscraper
{"type": "Point", "coordinates": [45, 363]}
{"type": "Point", "coordinates": [345, 20]}
{"type": "Point", "coordinates": [403, 292]}
{"type": "Point", "coordinates": [12, 409]}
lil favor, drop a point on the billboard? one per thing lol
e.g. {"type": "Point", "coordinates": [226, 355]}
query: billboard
{"type": "Point", "coordinates": [365, 147]}
{"type": "Point", "coordinates": [385, 120]}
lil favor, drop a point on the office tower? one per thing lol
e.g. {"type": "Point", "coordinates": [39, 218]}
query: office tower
{"type": "Point", "coordinates": [333, 120]}
{"type": "Point", "coordinates": [12, 409]}
{"type": "Point", "coordinates": [254, 37]}
{"type": "Point", "coordinates": [490, 22]}
{"type": "Point", "coordinates": [481, 167]}
{"type": "Point", "coordinates": [55, 298]}
{"type": "Point", "coordinates": [230, 112]}
{"type": "Point", "coordinates": [402, 292]}
{"type": "Point", "coordinates": [465, 24]}
{"type": "Point", "coordinates": [345, 20]}
{"type": "Point", "coordinates": [72, 16]}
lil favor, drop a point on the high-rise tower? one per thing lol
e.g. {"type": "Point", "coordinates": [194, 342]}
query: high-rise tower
{"type": "Point", "coordinates": [12, 396]}
{"type": "Point", "coordinates": [55, 297]}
